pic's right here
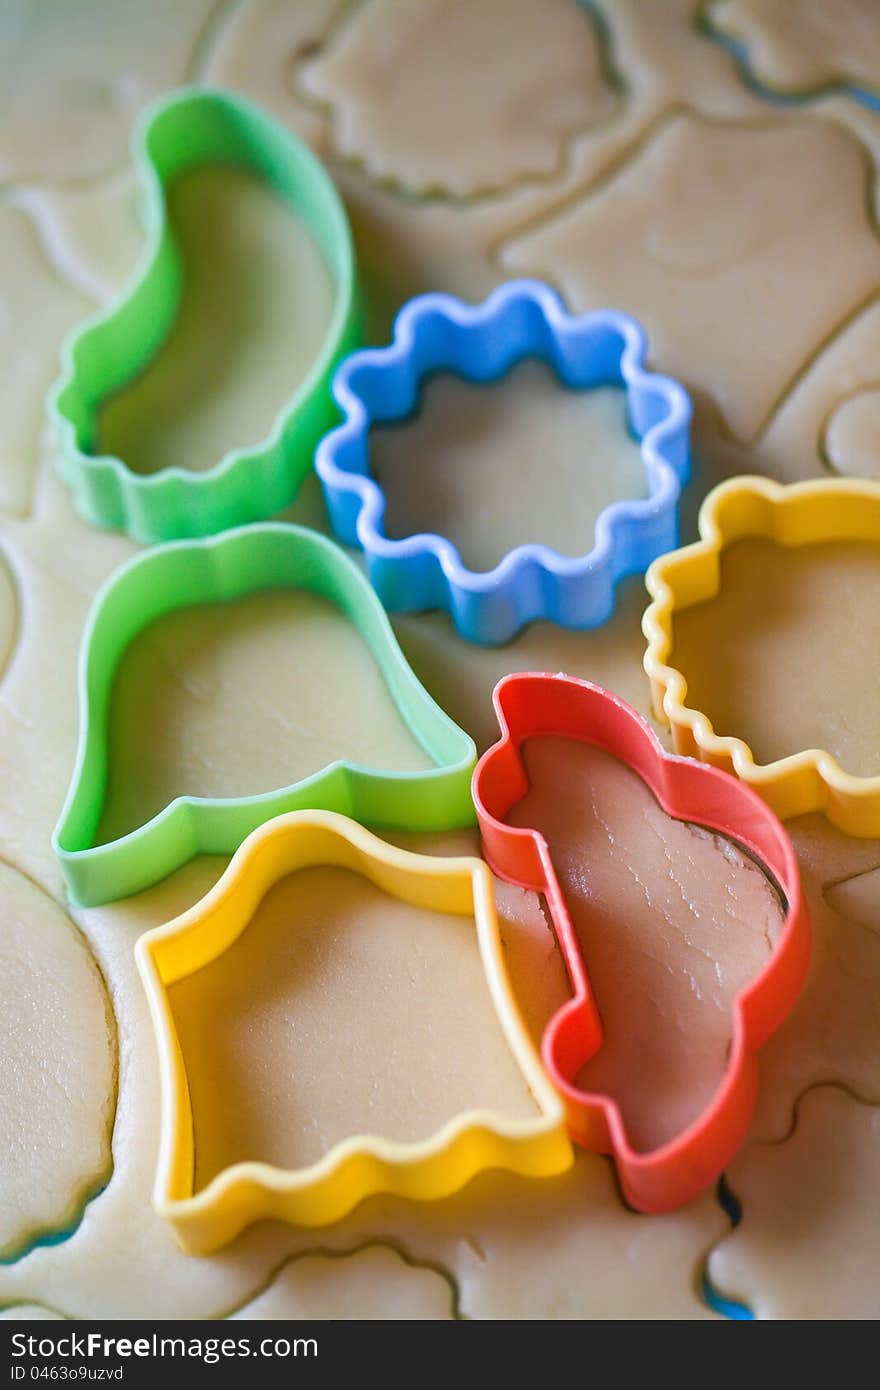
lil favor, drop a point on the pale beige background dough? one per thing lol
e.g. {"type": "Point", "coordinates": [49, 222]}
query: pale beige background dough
{"type": "Point", "coordinates": [662, 60]}
{"type": "Point", "coordinates": [373, 1282]}
{"type": "Point", "coordinates": [73, 80]}
{"type": "Point", "coordinates": [655, 54]}
{"type": "Point", "coordinates": [570, 1249]}
{"type": "Point", "coordinates": [92, 236]}
{"type": "Point", "coordinates": [770, 218]}
{"type": "Point", "coordinates": [858, 899]}
{"type": "Point", "coordinates": [37, 308]}
{"type": "Point", "coordinates": [795, 444]}
{"type": "Point", "coordinates": [462, 675]}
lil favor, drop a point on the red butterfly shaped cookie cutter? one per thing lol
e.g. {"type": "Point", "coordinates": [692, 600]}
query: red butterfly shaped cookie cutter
{"type": "Point", "coordinates": [529, 705]}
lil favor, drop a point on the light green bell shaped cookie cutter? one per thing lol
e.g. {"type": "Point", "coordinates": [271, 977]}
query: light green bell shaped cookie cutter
{"type": "Point", "coordinates": [198, 126]}
{"type": "Point", "coordinates": [271, 555]}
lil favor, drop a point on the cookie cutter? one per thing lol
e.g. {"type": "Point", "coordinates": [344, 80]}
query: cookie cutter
{"type": "Point", "coordinates": [191, 127]}
{"type": "Point", "coordinates": [269, 555]}
{"type": "Point", "coordinates": [361, 1166]}
{"type": "Point", "coordinates": [532, 704]}
{"type": "Point", "coordinates": [834, 509]}
{"type": "Point", "coordinates": [522, 318]}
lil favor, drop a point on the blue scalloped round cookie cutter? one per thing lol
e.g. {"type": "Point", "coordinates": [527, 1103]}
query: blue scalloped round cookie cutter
{"type": "Point", "coordinates": [524, 318]}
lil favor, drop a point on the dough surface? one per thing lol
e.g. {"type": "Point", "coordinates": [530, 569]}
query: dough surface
{"type": "Point", "coordinates": [656, 179]}
{"type": "Point", "coordinates": [71, 84]}
{"type": "Point", "coordinates": [705, 216]}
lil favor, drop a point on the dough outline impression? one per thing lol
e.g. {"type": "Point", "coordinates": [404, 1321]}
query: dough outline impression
{"type": "Point", "coordinates": [251, 559]}
{"type": "Point", "coordinates": [737, 44]}
{"type": "Point", "coordinates": [523, 318]}
{"type": "Point", "coordinates": [832, 509]}
{"type": "Point", "coordinates": [530, 704]}
{"type": "Point", "coordinates": [192, 127]}
{"type": "Point", "coordinates": [360, 1166]}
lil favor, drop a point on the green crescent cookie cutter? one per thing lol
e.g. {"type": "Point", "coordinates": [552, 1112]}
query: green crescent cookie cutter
{"type": "Point", "coordinates": [192, 127]}
{"type": "Point", "coordinates": [271, 555]}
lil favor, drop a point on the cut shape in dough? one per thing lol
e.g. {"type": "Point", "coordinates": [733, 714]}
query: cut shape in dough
{"type": "Point", "coordinates": [564, 1248]}
{"type": "Point", "coordinates": [279, 668]}
{"type": "Point", "coordinates": [516, 462]}
{"type": "Point", "coordinates": [255, 310]}
{"type": "Point", "coordinates": [258, 51]}
{"type": "Point", "coordinates": [461, 99]}
{"type": "Point", "coordinates": [672, 921]}
{"type": "Point", "coordinates": [803, 47]}
{"type": "Point", "coordinates": [740, 248]}
{"type": "Point", "coordinates": [851, 440]}
{"type": "Point", "coordinates": [369, 1284]}
{"type": "Point", "coordinates": [809, 1240]}
{"type": "Point", "coordinates": [58, 1081]}
{"type": "Point", "coordinates": [339, 1011]}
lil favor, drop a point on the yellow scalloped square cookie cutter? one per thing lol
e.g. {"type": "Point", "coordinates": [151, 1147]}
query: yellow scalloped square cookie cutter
{"type": "Point", "coordinates": [361, 1166]}
{"type": "Point", "coordinates": [799, 514]}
